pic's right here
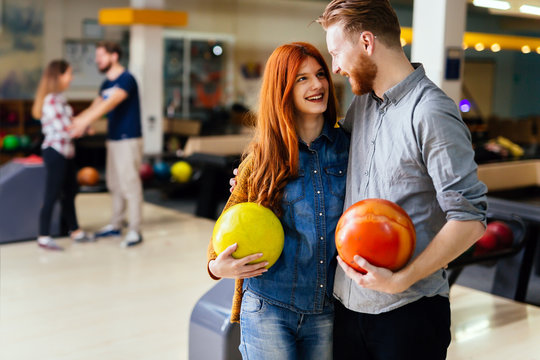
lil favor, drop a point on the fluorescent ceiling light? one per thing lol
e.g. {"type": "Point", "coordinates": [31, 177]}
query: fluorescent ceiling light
{"type": "Point", "coordinates": [492, 4]}
{"type": "Point", "coordinates": [529, 9]}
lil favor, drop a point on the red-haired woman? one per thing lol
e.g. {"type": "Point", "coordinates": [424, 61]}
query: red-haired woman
{"type": "Point", "coordinates": [296, 165]}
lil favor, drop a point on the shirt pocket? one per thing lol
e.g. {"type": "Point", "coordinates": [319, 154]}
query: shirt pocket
{"type": "Point", "coordinates": [295, 190]}
{"type": "Point", "coordinates": [336, 176]}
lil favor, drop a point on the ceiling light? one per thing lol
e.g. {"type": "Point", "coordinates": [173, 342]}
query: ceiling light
{"type": "Point", "coordinates": [529, 9]}
{"type": "Point", "coordinates": [479, 47]}
{"type": "Point", "coordinates": [492, 4]}
{"type": "Point", "coordinates": [495, 47]}
{"type": "Point", "coordinates": [538, 50]}
{"type": "Point", "coordinates": [464, 46]}
{"type": "Point", "coordinates": [403, 42]}
{"type": "Point", "coordinates": [525, 49]}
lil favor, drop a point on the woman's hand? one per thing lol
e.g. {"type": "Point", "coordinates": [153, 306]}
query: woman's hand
{"type": "Point", "coordinates": [232, 181]}
{"type": "Point", "coordinates": [225, 266]}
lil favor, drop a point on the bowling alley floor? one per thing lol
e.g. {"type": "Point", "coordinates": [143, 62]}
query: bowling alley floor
{"type": "Point", "coordinates": [100, 301]}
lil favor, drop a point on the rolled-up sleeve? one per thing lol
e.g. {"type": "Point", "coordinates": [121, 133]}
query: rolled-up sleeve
{"type": "Point", "coordinates": [449, 158]}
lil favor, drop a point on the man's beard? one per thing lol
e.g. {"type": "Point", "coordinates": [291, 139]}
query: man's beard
{"type": "Point", "coordinates": [106, 68]}
{"type": "Point", "coordinates": [363, 75]}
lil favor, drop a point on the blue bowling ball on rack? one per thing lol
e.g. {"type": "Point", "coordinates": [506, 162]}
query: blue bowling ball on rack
{"type": "Point", "coordinates": [162, 170]}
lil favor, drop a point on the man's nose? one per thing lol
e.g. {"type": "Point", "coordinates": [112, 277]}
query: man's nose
{"type": "Point", "coordinates": [335, 68]}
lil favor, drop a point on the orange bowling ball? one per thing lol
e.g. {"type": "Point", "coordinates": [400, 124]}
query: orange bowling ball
{"type": "Point", "coordinates": [379, 231]}
{"type": "Point", "coordinates": [87, 176]}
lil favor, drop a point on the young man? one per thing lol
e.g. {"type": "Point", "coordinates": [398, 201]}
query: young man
{"type": "Point", "coordinates": [410, 146]}
{"type": "Point", "coordinates": [119, 100]}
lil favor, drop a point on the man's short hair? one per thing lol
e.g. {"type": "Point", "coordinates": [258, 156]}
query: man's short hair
{"type": "Point", "coordinates": [356, 16]}
{"type": "Point", "coordinates": [110, 47]}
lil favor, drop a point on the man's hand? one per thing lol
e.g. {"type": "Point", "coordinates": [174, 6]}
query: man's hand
{"type": "Point", "coordinates": [77, 128]}
{"type": "Point", "coordinates": [376, 278]}
{"type": "Point", "coordinates": [225, 266]}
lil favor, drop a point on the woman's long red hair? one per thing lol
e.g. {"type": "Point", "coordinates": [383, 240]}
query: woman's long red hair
{"type": "Point", "coordinates": [274, 149]}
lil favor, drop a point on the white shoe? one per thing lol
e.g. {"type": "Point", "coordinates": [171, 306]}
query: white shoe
{"type": "Point", "coordinates": [107, 231]}
{"type": "Point", "coordinates": [48, 243]}
{"type": "Point", "coordinates": [132, 238]}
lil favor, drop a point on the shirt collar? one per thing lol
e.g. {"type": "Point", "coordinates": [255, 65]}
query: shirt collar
{"type": "Point", "coordinates": [328, 132]}
{"type": "Point", "coordinates": [398, 91]}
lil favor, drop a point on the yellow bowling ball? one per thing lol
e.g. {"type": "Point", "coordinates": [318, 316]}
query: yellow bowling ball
{"type": "Point", "coordinates": [255, 228]}
{"type": "Point", "coordinates": [181, 171]}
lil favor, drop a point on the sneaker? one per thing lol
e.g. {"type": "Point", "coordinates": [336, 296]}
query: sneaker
{"type": "Point", "coordinates": [107, 231]}
{"type": "Point", "coordinates": [49, 244]}
{"type": "Point", "coordinates": [132, 238]}
{"type": "Point", "coordinates": [83, 237]}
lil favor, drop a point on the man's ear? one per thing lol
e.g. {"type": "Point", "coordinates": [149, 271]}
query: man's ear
{"type": "Point", "coordinates": [367, 40]}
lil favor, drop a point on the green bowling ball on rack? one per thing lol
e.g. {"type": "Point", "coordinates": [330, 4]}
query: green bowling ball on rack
{"type": "Point", "coordinates": [24, 141]}
{"type": "Point", "coordinates": [11, 143]}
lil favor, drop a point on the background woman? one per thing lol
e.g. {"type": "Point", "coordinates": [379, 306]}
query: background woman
{"type": "Point", "coordinates": [51, 107]}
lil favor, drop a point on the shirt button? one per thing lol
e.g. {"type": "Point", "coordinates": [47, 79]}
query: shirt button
{"type": "Point", "coordinates": [341, 172]}
{"type": "Point", "coordinates": [322, 238]}
{"type": "Point", "coordinates": [322, 261]}
{"type": "Point", "coordinates": [366, 173]}
{"type": "Point", "coordinates": [321, 285]}
{"type": "Point", "coordinates": [314, 171]}
{"type": "Point", "coordinates": [372, 142]}
{"type": "Point", "coordinates": [320, 214]}
{"type": "Point", "coordinates": [318, 191]}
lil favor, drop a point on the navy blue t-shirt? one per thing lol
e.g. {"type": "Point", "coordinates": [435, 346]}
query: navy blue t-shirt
{"type": "Point", "coordinates": [124, 121]}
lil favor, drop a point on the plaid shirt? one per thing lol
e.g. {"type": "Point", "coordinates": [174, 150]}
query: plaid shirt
{"type": "Point", "coordinates": [55, 119]}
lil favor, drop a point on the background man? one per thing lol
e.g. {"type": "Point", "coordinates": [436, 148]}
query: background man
{"type": "Point", "coordinates": [119, 100]}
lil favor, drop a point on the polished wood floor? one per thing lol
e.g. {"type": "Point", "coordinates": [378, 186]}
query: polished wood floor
{"type": "Point", "coordinates": [99, 301]}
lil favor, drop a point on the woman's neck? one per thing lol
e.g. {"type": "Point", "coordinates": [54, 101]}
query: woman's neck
{"type": "Point", "coordinates": [309, 127]}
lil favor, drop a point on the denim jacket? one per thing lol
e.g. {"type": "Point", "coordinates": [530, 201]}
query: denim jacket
{"type": "Point", "coordinates": [312, 204]}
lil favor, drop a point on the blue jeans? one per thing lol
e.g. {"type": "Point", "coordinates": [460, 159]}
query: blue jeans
{"type": "Point", "coordinates": [271, 332]}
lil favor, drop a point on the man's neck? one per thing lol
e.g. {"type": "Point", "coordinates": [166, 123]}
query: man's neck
{"type": "Point", "coordinates": [392, 68]}
{"type": "Point", "coordinates": [115, 71]}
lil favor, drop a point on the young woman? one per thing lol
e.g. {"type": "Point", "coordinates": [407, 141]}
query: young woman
{"type": "Point", "coordinates": [296, 165]}
{"type": "Point", "coordinates": [58, 151]}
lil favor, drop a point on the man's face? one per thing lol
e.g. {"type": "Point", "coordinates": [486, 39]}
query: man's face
{"type": "Point", "coordinates": [350, 59]}
{"type": "Point", "coordinates": [104, 60]}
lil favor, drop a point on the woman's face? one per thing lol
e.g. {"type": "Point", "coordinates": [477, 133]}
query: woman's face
{"type": "Point", "coordinates": [65, 79]}
{"type": "Point", "coordinates": [310, 90]}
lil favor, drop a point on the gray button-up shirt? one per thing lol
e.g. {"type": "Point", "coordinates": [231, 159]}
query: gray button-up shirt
{"type": "Point", "coordinates": [412, 148]}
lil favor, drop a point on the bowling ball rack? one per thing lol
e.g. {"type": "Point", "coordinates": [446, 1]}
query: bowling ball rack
{"type": "Point", "coordinates": [519, 230]}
